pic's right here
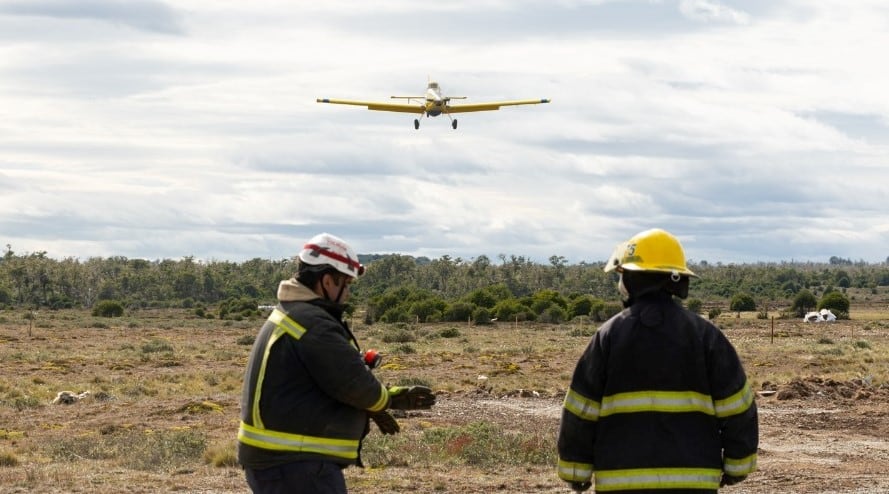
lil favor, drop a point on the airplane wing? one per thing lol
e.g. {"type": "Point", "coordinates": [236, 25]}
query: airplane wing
{"type": "Point", "coordinates": [378, 106]}
{"type": "Point", "coordinates": [493, 105]}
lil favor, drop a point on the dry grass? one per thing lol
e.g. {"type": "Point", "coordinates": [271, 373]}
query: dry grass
{"type": "Point", "coordinates": [165, 387]}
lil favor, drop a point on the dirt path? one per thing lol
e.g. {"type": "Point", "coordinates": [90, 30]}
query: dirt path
{"type": "Point", "coordinates": [814, 445]}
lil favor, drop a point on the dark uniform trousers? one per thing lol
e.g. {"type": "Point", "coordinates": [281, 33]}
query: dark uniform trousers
{"type": "Point", "coordinates": [304, 477]}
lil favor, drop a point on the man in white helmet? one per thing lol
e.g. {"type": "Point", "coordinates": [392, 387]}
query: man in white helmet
{"type": "Point", "coordinates": [659, 401]}
{"type": "Point", "coordinates": [308, 394]}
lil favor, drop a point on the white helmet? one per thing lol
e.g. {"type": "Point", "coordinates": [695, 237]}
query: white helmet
{"type": "Point", "coordinates": [326, 249]}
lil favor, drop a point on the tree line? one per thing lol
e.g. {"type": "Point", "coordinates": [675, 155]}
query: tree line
{"type": "Point", "coordinates": [405, 288]}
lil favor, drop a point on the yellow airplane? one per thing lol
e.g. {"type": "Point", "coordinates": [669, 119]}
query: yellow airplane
{"type": "Point", "coordinates": [432, 104]}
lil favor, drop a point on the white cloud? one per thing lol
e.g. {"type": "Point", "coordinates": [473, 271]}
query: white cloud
{"type": "Point", "coordinates": [150, 129]}
{"type": "Point", "coordinates": [708, 10]}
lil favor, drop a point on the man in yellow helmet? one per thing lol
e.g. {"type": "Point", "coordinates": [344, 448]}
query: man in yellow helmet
{"type": "Point", "coordinates": [308, 392]}
{"type": "Point", "coordinates": [659, 401]}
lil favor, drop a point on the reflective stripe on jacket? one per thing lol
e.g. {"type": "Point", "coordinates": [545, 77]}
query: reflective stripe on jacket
{"type": "Point", "coordinates": [306, 389]}
{"type": "Point", "coordinates": [658, 400]}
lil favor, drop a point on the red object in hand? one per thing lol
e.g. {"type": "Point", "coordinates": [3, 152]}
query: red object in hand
{"type": "Point", "coordinates": [372, 358]}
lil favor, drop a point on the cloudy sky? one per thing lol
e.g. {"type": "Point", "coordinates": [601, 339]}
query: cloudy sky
{"type": "Point", "coordinates": [753, 130]}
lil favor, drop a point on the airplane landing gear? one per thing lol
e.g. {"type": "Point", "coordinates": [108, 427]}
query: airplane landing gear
{"type": "Point", "coordinates": [454, 124]}
{"type": "Point", "coordinates": [416, 123]}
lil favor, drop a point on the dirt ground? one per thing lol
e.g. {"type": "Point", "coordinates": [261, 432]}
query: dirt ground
{"type": "Point", "coordinates": [824, 422]}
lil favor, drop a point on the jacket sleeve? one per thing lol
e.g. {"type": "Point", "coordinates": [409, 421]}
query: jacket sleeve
{"type": "Point", "coordinates": [735, 407]}
{"type": "Point", "coordinates": [337, 367]}
{"type": "Point", "coordinates": [580, 414]}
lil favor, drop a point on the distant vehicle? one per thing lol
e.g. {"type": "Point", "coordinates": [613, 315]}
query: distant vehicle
{"type": "Point", "coordinates": [432, 104]}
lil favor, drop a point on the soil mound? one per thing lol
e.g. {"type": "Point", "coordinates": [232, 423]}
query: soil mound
{"type": "Point", "coordinates": [813, 387]}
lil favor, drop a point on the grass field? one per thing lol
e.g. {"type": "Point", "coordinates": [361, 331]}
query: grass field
{"type": "Point", "coordinates": [162, 411]}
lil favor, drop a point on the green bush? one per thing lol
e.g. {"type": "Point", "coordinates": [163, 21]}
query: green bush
{"type": "Point", "coordinates": [584, 305]}
{"type": "Point", "coordinates": [862, 344]}
{"type": "Point", "coordinates": [695, 305]}
{"type": "Point", "coordinates": [108, 308]}
{"type": "Point", "coordinates": [553, 314]}
{"type": "Point", "coordinates": [742, 302]}
{"type": "Point", "coordinates": [156, 345]}
{"type": "Point", "coordinates": [803, 302]}
{"type": "Point", "coordinates": [397, 335]}
{"type": "Point", "coordinates": [449, 333]}
{"type": "Point", "coordinates": [506, 310]}
{"type": "Point", "coordinates": [608, 311]}
{"type": "Point", "coordinates": [458, 311]}
{"type": "Point", "coordinates": [481, 316]}
{"type": "Point", "coordinates": [836, 302]}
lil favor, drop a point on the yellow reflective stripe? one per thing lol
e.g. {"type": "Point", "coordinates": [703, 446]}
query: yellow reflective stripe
{"type": "Point", "coordinates": [736, 403]}
{"type": "Point", "coordinates": [382, 402]}
{"type": "Point", "coordinates": [581, 406]}
{"type": "Point", "coordinates": [282, 441]}
{"type": "Point", "coordinates": [658, 478]}
{"type": "Point", "coordinates": [283, 325]}
{"type": "Point", "coordinates": [657, 401]}
{"type": "Point", "coordinates": [571, 471]}
{"type": "Point", "coordinates": [257, 391]}
{"type": "Point", "coordinates": [740, 467]}
{"type": "Point", "coordinates": [284, 322]}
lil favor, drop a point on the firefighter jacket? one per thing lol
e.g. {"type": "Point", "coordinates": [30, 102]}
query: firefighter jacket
{"type": "Point", "coordinates": [306, 389]}
{"type": "Point", "coordinates": [658, 402]}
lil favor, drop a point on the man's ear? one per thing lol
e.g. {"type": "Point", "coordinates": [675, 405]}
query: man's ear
{"type": "Point", "coordinates": [331, 277]}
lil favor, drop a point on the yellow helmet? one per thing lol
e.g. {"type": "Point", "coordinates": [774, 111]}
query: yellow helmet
{"type": "Point", "coordinates": [652, 250]}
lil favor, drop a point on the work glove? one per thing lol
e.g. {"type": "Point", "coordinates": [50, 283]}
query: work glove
{"type": "Point", "coordinates": [730, 479]}
{"type": "Point", "coordinates": [580, 486]}
{"type": "Point", "coordinates": [411, 397]}
{"type": "Point", "coordinates": [386, 422]}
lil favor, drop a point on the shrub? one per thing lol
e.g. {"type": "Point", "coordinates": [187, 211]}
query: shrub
{"type": "Point", "coordinates": [582, 306]}
{"type": "Point", "coordinates": [506, 310]}
{"type": "Point", "coordinates": [803, 302]}
{"type": "Point", "coordinates": [8, 459]}
{"type": "Point", "coordinates": [836, 302]}
{"type": "Point", "coordinates": [481, 316]}
{"type": "Point", "coordinates": [862, 344]}
{"type": "Point", "coordinates": [404, 348]}
{"type": "Point", "coordinates": [695, 305]}
{"type": "Point", "coordinates": [238, 308]}
{"type": "Point", "coordinates": [108, 308]}
{"type": "Point", "coordinates": [449, 333]}
{"type": "Point", "coordinates": [458, 311]}
{"type": "Point", "coordinates": [553, 314]}
{"type": "Point", "coordinates": [608, 311]}
{"type": "Point", "coordinates": [398, 335]}
{"type": "Point", "coordinates": [156, 345]}
{"type": "Point", "coordinates": [396, 314]}
{"type": "Point", "coordinates": [222, 455]}
{"type": "Point", "coordinates": [742, 302]}
{"type": "Point", "coordinates": [714, 313]}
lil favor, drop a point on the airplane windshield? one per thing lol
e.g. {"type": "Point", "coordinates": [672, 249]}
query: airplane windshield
{"type": "Point", "coordinates": [433, 85]}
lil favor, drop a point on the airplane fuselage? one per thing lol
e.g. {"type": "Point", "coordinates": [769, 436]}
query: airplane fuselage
{"type": "Point", "coordinates": [434, 102]}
